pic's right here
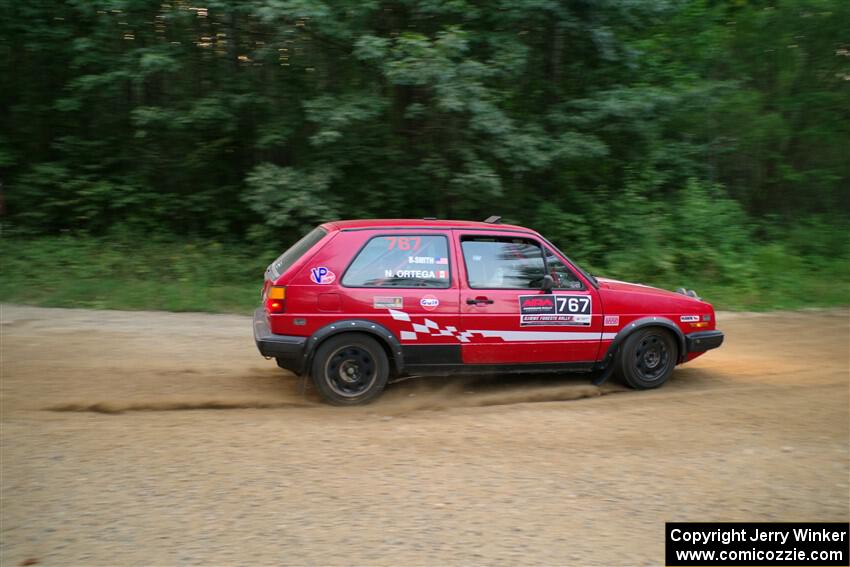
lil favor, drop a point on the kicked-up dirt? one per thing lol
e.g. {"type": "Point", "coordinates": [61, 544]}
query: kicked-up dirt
{"type": "Point", "coordinates": [139, 438]}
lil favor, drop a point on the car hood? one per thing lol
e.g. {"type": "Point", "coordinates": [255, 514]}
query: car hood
{"type": "Point", "coordinates": [617, 285]}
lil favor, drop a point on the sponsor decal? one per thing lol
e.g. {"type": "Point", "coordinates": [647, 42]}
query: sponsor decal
{"type": "Point", "coordinates": [383, 302]}
{"type": "Point", "coordinates": [689, 318]}
{"type": "Point", "coordinates": [429, 302]}
{"type": "Point", "coordinates": [420, 260]}
{"type": "Point", "coordinates": [322, 275]}
{"type": "Point", "coordinates": [612, 320]}
{"type": "Point", "coordinates": [550, 309]}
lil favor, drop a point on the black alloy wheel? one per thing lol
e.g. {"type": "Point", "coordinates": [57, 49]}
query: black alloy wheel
{"type": "Point", "coordinates": [350, 369]}
{"type": "Point", "coordinates": [647, 358]}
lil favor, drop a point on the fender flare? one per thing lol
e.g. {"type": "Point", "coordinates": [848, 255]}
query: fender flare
{"type": "Point", "coordinates": [376, 330]}
{"type": "Point", "coordinates": [641, 323]}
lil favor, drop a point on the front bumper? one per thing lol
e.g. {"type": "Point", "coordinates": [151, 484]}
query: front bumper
{"type": "Point", "coordinates": [288, 350]}
{"type": "Point", "coordinates": [703, 341]}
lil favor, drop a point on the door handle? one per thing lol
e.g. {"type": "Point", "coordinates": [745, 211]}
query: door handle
{"type": "Point", "coordinates": [479, 300]}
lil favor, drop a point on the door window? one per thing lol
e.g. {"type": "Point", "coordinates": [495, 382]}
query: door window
{"type": "Point", "coordinates": [563, 276]}
{"type": "Point", "coordinates": [401, 261]}
{"type": "Point", "coordinates": [502, 262]}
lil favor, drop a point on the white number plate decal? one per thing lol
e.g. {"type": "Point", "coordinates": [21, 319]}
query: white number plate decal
{"type": "Point", "coordinates": [551, 309]}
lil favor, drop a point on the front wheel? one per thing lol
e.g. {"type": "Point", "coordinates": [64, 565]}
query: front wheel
{"type": "Point", "coordinates": [647, 358]}
{"type": "Point", "coordinates": [350, 369]}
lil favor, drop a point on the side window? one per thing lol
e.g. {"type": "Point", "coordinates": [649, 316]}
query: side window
{"type": "Point", "coordinates": [563, 276]}
{"type": "Point", "coordinates": [401, 261]}
{"type": "Point", "coordinates": [502, 263]}
{"type": "Point", "coordinates": [285, 261]}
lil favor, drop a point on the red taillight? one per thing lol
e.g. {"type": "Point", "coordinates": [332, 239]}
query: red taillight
{"type": "Point", "coordinates": [275, 299]}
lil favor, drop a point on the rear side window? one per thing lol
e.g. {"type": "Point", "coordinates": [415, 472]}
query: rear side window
{"type": "Point", "coordinates": [285, 261]}
{"type": "Point", "coordinates": [401, 261]}
{"type": "Point", "coordinates": [503, 263]}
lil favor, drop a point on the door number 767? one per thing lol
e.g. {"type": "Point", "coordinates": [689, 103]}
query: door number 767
{"type": "Point", "coordinates": [573, 304]}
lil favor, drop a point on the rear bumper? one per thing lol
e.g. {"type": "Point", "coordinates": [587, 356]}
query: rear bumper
{"type": "Point", "coordinates": [703, 341]}
{"type": "Point", "coordinates": [288, 350]}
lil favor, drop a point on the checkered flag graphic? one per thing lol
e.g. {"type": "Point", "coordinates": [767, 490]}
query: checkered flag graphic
{"type": "Point", "coordinates": [427, 327]}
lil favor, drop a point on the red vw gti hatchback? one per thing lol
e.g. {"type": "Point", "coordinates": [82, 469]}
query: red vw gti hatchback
{"type": "Point", "coordinates": [356, 303]}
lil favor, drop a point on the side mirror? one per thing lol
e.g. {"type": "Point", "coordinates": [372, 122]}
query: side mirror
{"type": "Point", "coordinates": [547, 284]}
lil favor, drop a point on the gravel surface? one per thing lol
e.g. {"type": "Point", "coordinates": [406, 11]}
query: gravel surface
{"type": "Point", "coordinates": [143, 438]}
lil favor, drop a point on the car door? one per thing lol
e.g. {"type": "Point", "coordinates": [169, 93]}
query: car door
{"type": "Point", "coordinates": [507, 318]}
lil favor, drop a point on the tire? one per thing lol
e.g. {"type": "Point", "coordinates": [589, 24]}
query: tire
{"type": "Point", "coordinates": [350, 369]}
{"type": "Point", "coordinates": [647, 358]}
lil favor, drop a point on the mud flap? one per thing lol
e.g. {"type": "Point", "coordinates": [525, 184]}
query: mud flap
{"type": "Point", "coordinates": [603, 375]}
{"type": "Point", "coordinates": [302, 384]}
{"type": "Point", "coordinates": [606, 371]}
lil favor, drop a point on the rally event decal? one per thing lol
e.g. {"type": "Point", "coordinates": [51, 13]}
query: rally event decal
{"type": "Point", "coordinates": [551, 309]}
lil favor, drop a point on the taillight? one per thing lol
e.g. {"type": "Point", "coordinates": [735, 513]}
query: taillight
{"type": "Point", "coordinates": [276, 299]}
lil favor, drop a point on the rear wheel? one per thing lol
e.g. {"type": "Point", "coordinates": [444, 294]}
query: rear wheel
{"type": "Point", "coordinates": [647, 358]}
{"type": "Point", "coordinates": [350, 369]}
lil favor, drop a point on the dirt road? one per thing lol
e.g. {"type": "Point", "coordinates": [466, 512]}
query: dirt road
{"type": "Point", "coordinates": [487, 471]}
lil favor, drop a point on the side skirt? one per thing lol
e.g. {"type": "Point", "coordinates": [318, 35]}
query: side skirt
{"type": "Point", "coordinates": [441, 360]}
{"type": "Point", "coordinates": [472, 369]}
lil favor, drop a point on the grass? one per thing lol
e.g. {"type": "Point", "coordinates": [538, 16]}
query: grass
{"type": "Point", "coordinates": [209, 276]}
{"type": "Point", "coordinates": [99, 274]}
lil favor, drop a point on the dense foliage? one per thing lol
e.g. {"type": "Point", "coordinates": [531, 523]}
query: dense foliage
{"type": "Point", "coordinates": [650, 139]}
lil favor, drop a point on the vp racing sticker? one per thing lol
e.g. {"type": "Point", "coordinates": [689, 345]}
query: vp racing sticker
{"type": "Point", "coordinates": [551, 309]}
{"type": "Point", "coordinates": [322, 275]}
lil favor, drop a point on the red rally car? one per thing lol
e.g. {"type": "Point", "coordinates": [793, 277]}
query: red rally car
{"type": "Point", "coordinates": [355, 303]}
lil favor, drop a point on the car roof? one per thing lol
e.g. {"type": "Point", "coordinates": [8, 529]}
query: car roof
{"type": "Point", "coordinates": [419, 223]}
